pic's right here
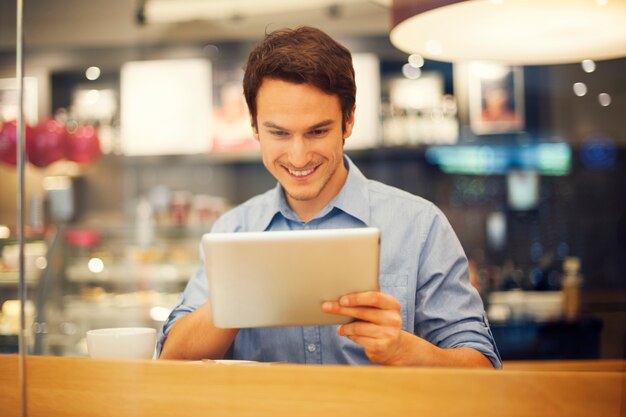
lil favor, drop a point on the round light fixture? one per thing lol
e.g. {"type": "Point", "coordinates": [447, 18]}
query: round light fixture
{"type": "Point", "coordinates": [416, 60]}
{"type": "Point", "coordinates": [604, 99]}
{"type": "Point", "coordinates": [588, 65]}
{"type": "Point", "coordinates": [580, 89]}
{"type": "Point", "coordinates": [517, 32]}
{"type": "Point", "coordinates": [92, 73]}
{"type": "Point", "coordinates": [410, 72]}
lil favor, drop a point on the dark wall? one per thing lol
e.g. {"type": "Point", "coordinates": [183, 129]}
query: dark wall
{"type": "Point", "coordinates": [582, 214]}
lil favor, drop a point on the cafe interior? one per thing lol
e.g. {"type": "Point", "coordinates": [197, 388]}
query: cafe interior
{"type": "Point", "coordinates": [124, 135]}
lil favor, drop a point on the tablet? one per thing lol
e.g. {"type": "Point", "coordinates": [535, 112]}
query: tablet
{"type": "Point", "coordinates": [263, 279]}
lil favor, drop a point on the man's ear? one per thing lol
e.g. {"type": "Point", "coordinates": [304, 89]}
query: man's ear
{"type": "Point", "coordinates": [349, 124]}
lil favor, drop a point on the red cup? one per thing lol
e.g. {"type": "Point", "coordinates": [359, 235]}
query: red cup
{"type": "Point", "coordinates": [48, 144]}
{"type": "Point", "coordinates": [84, 145]}
{"type": "Point", "coordinates": [8, 141]}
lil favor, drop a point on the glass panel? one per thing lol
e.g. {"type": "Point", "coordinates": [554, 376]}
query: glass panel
{"type": "Point", "coordinates": [9, 329]}
{"type": "Point", "coordinates": [121, 228]}
{"type": "Point", "coordinates": [12, 277]}
{"type": "Point", "coordinates": [139, 139]}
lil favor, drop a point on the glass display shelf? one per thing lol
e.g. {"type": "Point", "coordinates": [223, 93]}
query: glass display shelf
{"type": "Point", "coordinates": [101, 277]}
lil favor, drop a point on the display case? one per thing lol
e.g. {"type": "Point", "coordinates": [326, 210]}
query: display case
{"type": "Point", "coordinates": [101, 277]}
{"type": "Point", "coordinates": [35, 251]}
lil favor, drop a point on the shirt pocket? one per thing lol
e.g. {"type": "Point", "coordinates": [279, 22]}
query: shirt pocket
{"type": "Point", "coordinates": [396, 285]}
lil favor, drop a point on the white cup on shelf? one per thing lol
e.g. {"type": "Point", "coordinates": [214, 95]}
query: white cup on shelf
{"type": "Point", "coordinates": [121, 343]}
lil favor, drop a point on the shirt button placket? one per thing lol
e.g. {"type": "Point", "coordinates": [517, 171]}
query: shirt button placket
{"type": "Point", "coordinates": [312, 345]}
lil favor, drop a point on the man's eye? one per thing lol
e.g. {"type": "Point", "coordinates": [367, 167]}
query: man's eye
{"type": "Point", "coordinates": [280, 133]}
{"type": "Point", "coordinates": [318, 132]}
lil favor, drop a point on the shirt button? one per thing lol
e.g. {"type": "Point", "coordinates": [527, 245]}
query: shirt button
{"type": "Point", "coordinates": [311, 347]}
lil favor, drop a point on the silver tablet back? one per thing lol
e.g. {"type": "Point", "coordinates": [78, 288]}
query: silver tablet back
{"type": "Point", "coordinates": [281, 278]}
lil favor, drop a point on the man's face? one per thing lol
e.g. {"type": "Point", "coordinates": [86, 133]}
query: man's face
{"type": "Point", "coordinates": [299, 129]}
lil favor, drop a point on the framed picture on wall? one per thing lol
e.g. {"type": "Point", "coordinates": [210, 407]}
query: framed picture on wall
{"type": "Point", "coordinates": [496, 98]}
{"type": "Point", "coordinates": [231, 119]}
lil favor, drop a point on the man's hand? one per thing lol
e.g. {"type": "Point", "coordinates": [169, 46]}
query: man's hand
{"type": "Point", "coordinates": [378, 329]}
{"type": "Point", "coordinates": [378, 325]}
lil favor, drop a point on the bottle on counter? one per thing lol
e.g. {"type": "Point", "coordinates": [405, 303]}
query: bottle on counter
{"type": "Point", "coordinates": [570, 286]}
{"type": "Point", "coordinates": [144, 224]}
{"type": "Point", "coordinates": [36, 214]}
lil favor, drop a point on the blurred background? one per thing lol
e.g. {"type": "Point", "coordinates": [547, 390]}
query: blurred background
{"type": "Point", "coordinates": [138, 139]}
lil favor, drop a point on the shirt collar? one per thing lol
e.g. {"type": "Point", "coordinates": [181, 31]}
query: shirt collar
{"type": "Point", "coordinates": [353, 199]}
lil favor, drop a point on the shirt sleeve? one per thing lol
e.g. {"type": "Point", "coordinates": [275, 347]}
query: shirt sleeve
{"type": "Point", "coordinates": [449, 311]}
{"type": "Point", "coordinates": [196, 294]}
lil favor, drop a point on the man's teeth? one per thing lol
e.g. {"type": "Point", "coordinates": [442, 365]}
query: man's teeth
{"type": "Point", "coordinates": [301, 173]}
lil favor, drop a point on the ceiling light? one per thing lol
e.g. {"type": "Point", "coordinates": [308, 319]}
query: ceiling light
{"type": "Point", "coordinates": [92, 73]}
{"type": "Point", "coordinates": [522, 32]}
{"type": "Point", "coordinates": [588, 65]}
{"type": "Point", "coordinates": [604, 99]}
{"type": "Point", "coordinates": [433, 47]}
{"type": "Point", "coordinates": [416, 60]}
{"type": "Point", "coordinates": [410, 72]}
{"type": "Point", "coordinates": [171, 11]}
{"type": "Point", "coordinates": [488, 70]}
{"type": "Point", "coordinates": [580, 89]}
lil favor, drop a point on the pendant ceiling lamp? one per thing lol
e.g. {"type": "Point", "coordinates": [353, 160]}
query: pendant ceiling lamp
{"type": "Point", "coordinates": [522, 32]}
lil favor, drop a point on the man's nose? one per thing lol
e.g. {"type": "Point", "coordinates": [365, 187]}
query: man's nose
{"type": "Point", "coordinates": [298, 152]}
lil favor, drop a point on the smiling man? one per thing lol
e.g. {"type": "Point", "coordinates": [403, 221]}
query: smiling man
{"type": "Point", "coordinates": [299, 86]}
{"type": "Point", "coordinates": [302, 144]}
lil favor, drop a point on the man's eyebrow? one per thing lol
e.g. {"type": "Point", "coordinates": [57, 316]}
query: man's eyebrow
{"type": "Point", "coordinates": [325, 123]}
{"type": "Point", "coordinates": [273, 126]}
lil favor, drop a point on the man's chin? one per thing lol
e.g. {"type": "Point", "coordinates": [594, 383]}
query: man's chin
{"type": "Point", "coordinates": [301, 196]}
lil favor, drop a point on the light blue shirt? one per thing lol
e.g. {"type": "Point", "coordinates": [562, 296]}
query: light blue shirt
{"type": "Point", "coordinates": [422, 265]}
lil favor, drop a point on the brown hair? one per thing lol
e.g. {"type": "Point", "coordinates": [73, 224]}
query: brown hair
{"type": "Point", "coordinates": [303, 55]}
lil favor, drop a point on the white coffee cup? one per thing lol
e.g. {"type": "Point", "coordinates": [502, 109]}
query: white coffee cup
{"type": "Point", "coordinates": [121, 343]}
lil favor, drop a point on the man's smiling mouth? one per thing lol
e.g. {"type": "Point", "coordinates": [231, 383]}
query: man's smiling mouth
{"type": "Point", "coordinates": [301, 172]}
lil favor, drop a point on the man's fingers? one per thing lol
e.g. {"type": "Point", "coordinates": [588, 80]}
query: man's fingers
{"type": "Point", "coordinates": [370, 299]}
{"type": "Point", "coordinates": [389, 318]}
{"type": "Point", "coordinates": [365, 329]}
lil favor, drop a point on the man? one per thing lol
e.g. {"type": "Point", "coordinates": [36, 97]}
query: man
{"type": "Point", "coordinates": [299, 86]}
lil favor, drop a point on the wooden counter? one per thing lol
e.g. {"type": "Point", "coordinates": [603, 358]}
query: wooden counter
{"type": "Point", "coordinates": [69, 387]}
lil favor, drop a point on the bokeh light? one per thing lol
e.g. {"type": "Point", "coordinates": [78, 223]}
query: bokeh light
{"type": "Point", "coordinates": [95, 265]}
{"type": "Point", "coordinates": [410, 72]}
{"type": "Point", "coordinates": [580, 89]}
{"type": "Point", "coordinates": [92, 73]}
{"type": "Point", "coordinates": [416, 61]}
{"type": "Point", "coordinates": [604, 99]}
{"type": "Point", "coordinates": [588, 65]}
